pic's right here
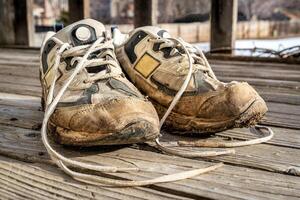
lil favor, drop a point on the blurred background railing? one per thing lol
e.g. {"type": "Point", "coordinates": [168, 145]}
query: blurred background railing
{"type": "Point", "coordinates": [213, 23]}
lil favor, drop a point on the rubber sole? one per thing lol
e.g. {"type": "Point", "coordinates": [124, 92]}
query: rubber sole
{"type": "Point", "coordinates": [183, 124]}
{"type": "Point", "coordinates": [136, 132]}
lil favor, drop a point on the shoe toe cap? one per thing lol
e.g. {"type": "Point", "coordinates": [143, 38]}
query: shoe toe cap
{"type": "Point", "coordinates": [241, 96]}
{"type": "Point", "coordinates": [231, 102]}
{"type": "Point", "coordinates": [109, 116]}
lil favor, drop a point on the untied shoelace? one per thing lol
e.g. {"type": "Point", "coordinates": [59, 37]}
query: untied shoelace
{"type": "Point", "coordinates": [51, 102]}
{"type": "Point", "coordinates": [66, 50]}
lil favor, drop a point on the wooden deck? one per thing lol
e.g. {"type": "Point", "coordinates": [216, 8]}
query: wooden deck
{"type": "Point", "coordinates": [265, 171]}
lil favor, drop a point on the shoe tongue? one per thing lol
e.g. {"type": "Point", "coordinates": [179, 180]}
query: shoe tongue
{"type": "Point", "coordinates": [82, 32]}
{"type": "Point", "coordinates": [155, 31]}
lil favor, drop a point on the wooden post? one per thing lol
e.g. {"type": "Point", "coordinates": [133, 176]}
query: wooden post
{"type": "Point", "coordinates": [223, 24]}
{"type": "Point", "coordinates": [16, 22]}
{"type": "Point", "coordinates": [145, 12]}
{"type": "Point", "coordinates": [7, 35]}
{"type": "Point", "coordinates": [24, 27]}
{"type": "Point", "coordinates": [78, 9]}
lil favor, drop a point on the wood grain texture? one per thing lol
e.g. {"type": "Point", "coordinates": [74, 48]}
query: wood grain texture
{"type": "Point", "coordinates": [229, 181]}
{"type": "Point", "coordinates": [265, 171]}
{"type": "Point", "coordinates": [40, 181]}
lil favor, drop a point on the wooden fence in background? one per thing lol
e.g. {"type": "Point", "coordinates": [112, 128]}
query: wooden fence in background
{"type": "Point", "coordinates": [200, 32]}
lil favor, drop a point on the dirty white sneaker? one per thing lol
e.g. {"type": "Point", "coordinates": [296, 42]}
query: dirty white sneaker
{"type": "Point", "coordinates": [183, 87]}
{"type": "Point", "coordinates": [88, 101]}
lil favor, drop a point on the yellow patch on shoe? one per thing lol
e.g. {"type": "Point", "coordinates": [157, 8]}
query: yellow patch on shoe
{"type": "Point", "coordinates": [146, 65]}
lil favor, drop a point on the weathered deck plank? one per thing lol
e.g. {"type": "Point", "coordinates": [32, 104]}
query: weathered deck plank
{"type": "Point", "coordinates": [283, 137]}
{"type": "Point", "coordinates": [40, 181]}
{"type": "Point", "coordinates": [253, 64]}
{"type": "Point", "coordinates": [229, 181]}
{"type": "Point", "coordinates": [20, 117]}
{"type": "Point", "coordinates": [266, 157]}
{"type": "Point", "coordinates": [27, 146]}
{"type": "Point", "coordinates": [8, 116]}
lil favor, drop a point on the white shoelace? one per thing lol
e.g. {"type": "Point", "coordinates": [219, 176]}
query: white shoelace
{"type": "Point", "coordinates": [51, 103]}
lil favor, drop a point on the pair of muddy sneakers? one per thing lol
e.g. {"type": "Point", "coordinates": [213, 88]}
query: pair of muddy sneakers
{"type": "Point", "coordinates": [89, 101]}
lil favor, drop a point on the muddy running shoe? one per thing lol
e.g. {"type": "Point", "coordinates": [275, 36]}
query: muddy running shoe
{"type": "Point", "coordinates": [99, 106]}
{"type": "Point", "coordinates": [176, 75]}
{"type": "Point", "coordinates": [88, 101]}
